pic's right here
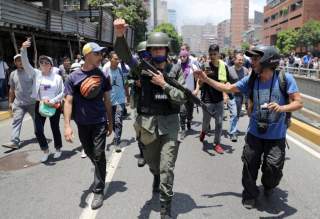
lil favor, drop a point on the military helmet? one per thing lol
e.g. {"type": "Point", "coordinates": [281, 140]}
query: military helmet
{"type": "Point", "coordinates": [142, 46]}
{"type": "Point", "coordinates": [158, 39]}
{"type": "Point", "coordinates": [270, 56]}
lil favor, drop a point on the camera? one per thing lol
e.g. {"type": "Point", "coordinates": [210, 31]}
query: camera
{"type": "Point", "coordinates": [263, 119]}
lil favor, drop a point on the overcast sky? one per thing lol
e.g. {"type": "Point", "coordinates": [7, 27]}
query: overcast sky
{"type": "Point", "coordinates": [207, 11]}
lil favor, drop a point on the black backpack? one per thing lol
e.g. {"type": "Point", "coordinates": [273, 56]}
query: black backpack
{"type": "Point", "coordinates": [282, 86]}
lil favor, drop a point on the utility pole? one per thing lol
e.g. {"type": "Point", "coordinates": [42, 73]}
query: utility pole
{"type": "Point", "coordinates": [155, 13]}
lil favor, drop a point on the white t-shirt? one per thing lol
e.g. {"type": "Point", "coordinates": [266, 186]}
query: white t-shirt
{"type": "Point", "coordinates": [48, 87]}
{"type": "Point", "coordinates": [3, 68]}
{"type": "Point", "coordinates": [189, 81]}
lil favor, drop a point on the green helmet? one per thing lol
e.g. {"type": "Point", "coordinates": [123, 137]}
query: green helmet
{"type": "Point", "coordinates": [158, 39]}
{"type": "Point", "coordinates": [142, 46]}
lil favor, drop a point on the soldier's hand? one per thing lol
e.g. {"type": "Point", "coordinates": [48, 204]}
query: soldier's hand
{"type": "Point", "coordinates": [158, 79]}
{"type": "Point", "coordinates": [120, 27]}
{"type": "Point", "coordinates": [68, 134]}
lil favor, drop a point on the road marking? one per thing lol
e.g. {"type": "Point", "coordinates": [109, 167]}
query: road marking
{"type": "Point", "coordinates": [304, 147]}
{"type": "Point", "coordinates": [87, 212]}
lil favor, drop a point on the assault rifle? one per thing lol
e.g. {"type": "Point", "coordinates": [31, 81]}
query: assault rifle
{"type": "Point", "coordinates": [148, 66]}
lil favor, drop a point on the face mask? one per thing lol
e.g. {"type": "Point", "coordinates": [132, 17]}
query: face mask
{"type": "Point", "coordinates": [159, 59]}
{"type": "Point", "coordinates": [145, 55]}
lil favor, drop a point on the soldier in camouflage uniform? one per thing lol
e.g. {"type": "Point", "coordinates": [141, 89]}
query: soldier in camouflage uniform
{"type": "Point", "coordinates": [158, 107]}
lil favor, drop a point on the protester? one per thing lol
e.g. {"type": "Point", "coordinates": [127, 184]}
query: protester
{"type": "Point", "coordinates": [48, 91]}
{"type": "Point", "coordinates": [20, 100]}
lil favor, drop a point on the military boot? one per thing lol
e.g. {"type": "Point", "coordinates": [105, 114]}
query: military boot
{"type": "Point", "coordinates": [156, 183]}
{"type": "Point", "coordinates": [165, 210]}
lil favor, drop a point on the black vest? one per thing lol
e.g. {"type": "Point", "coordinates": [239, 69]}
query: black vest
{"type": "Point", "coordinates": [152, 99]}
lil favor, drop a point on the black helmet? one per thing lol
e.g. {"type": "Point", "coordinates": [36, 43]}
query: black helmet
{"type": "Point", "coordinates": [158, 39]}
{"type": "Point", "coordinates": [142, 46]}
{"type": "Point", "coordinates": [270, 56]}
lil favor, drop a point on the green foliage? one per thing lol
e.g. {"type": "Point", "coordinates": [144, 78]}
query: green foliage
{"type": "Point", "coordinates": [308, 36]}
{"type": "Point", "coordinates": [287, 41]}
{"type": "Point", "coordinates": [245, 46]}
{"type": "Point", "coordinates": [169, 29]}
{"type": "Point", "coordinates": [132, 11]}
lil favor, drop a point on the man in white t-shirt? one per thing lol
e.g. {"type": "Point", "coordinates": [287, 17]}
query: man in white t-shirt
{"type": "Point", "coordinates": [186, 110]}
{"type": "Point", "coordinates": [3, 70]}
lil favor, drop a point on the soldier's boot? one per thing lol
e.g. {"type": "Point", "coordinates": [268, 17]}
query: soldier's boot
{"type": "Point", "coordinates": [165, 210]}
{"type": "Point", "coordinates": [156, 183]}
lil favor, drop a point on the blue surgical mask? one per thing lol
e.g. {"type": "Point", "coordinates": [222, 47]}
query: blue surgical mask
{"type": "Point", "coordinates": [145, 55]}
{"type": "Point", "coordinates": [159, 59]}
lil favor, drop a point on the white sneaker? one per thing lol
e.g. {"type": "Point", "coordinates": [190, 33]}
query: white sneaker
{"type": "Point", "coordinates": [44, 157]}
{"type": "Point", "coordinates": [57, 154]}
{"type": "Point", "coordinates": [83, 154]}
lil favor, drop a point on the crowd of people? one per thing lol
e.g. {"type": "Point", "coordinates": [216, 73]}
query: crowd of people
{"type": "Point", "coordinates": [94, 92]}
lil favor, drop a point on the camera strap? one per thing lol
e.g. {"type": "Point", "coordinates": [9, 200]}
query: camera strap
{"type": "Point", "coordinates": [258, 92]}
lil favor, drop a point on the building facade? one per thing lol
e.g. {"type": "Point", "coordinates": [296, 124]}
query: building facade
{"type": "Point", "coordinates": [239, 21]}
{"type": "Point", "coordinates": [284, 14]}
{"type": "Point", "coordinates": [199, 37]}
{"type": "Point", "coordinates": [172, 17]}
{"type": "Point", "coordinates": [223, 34]}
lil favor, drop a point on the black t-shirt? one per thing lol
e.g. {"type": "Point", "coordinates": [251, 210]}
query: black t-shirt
{"type": "Point", "coordinates": [87, 111]}
{"type": "Point", "coordinates": [208, 93]}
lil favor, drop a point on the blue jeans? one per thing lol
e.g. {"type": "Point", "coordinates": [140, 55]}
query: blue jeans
{"type": "Point", "coordinates": [18, 115]}
{"type": "Point", "coordinates": [217, 110]}
{"type": "Point", "coordinates": [232, 106]}
{"type": "Point", "coordinates": [2, 88]}
{"type": "Point", "coordinates": [117, 117]}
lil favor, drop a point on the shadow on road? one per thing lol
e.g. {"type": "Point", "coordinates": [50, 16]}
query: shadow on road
{"type": "Point", "coordinates": [276, 205]}
{"type": "Point", "coordinates": [24, 143]}
{"type": "Point", "coordinates": [65, 155]}
{"type": "Point", "coordinates": [124, 143]}
{"type": "Point", "coordinates": [181, 204]}
{"type": "Point", "coordinates": [114, 187]}
{"type": "Point", "coordinates": [84, 196]}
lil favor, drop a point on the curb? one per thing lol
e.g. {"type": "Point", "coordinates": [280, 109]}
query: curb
{"type": "Point", "coordinates": [5, 115]}
{"type": "Point", "coordinates": [306, 131]}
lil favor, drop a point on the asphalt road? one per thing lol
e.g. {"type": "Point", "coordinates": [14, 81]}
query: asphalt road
{"type": "Point", "coordinates": [207, 185]}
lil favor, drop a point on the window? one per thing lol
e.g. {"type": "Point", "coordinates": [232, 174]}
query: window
{"type": "Point", "coordinates": [274, 16]}
{"type": "Point", "coordinates": [296, 5]}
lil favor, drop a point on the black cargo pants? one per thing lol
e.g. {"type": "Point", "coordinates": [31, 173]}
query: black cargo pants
{"type": "Point", "coordinates": [273, 152]}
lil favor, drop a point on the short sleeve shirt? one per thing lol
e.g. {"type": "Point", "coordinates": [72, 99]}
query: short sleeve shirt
{"type": "Point", "coordinates": [277, 126]}
{"type": "Point", "coordinates": [87, 111]}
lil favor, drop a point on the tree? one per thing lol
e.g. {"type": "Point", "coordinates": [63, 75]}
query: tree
{"type": "Point", "coordinates": [245, 46]}
{"type": "Point", "coordinates": [309, 34]}
{"type": "Point", "coordinates": [287, 41]}
{"type": "Point", "coordinates": [169, 29]}
{"type": "Point", "coordinates": [132, 11]}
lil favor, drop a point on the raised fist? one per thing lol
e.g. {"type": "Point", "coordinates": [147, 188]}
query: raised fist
{"type": "Point", "coordinates": [120, 27]}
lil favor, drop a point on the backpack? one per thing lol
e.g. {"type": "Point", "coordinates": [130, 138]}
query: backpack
{"type": "Point", "coordinates": [282, 87]}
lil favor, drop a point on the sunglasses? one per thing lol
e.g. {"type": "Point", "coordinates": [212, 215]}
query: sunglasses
{"type": "Point", "coordinates": [44, 63]}
{"type": "Point", "coordinates": [97, 53]}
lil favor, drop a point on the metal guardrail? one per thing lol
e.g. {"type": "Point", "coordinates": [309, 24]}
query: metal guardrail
{"type": "Point", "coordinates": [307, 72]}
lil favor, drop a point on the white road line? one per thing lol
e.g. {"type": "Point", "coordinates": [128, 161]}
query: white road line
{"type": "Point", "coordinates": [304, 147]}
{"type": "Point", "coordinates": [87, 212]}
